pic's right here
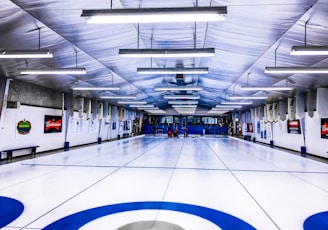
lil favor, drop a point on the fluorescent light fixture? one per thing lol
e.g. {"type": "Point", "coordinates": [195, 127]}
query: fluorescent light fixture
{"type": "Point", "coordinates": [26, 54]}
{"type": "Point", "coordinates": [229, 106]}
{"type": "Point", "coordinates": [296, 70]}
{"type": "Point", "coordinates": [159, 111]}
{"type": "Point", "coordinates": [309, 50]}
{"type": "Point", "coordinates": [181, 96]}
{"type": "Point", "coordinates": [247, 97]}
{"type": "Point", "coordinates": [172, 70]}
{"type": "Point", "coordinates": [147, 108]}
{"type": "Point", "coordinates": [217, 112]}
{"type": "Point", "coordinates": [184, 106]}
{"type": "Point", "coordinates": [167, 53]}
{"type": "Point", "coordinates": [144, 106]}
{"type": "Point", "coordinates": [182, 102]}
{"type": "Point", "coordinates": [95, 88]}
{"type": "Point", "coordinates": [118, 97]}
{"type": "Point", "coordinates": [186, 110]}
{"type": "Point", "coordinates": [266, 88]}
{"type": "Point", "coordinates": [148, 15]}
{"type": "Point", "coordinates": [53, 71]}
{"type": "Point", "coordinates": [132, 102]}
{"type": "Point", "coordinates": [179, 88]}
{"type": "Point", "coordinates": [236, 102]}
{"type": "Point", "coordinates": [222, 109]}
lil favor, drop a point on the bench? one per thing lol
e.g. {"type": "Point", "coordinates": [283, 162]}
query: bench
{"type": "Point", "coordinates": [10, 151]}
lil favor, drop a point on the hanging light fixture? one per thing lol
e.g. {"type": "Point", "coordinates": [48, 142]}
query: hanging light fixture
{"type": "Point", "coordinates": [96, 88]}
{"type": "Point", "coordinates": [132, 102]}
{"type": "Point", "coordinates": [184, 106]}
{"type": "Point", "coordinates": [178, 88]}
{"type": "Point", "coordinates": [118, 97]}
{"type": "Point", "coordinates": [153, 15]}
{"type": "Point", "coordinates": [62, 71]}
{"type": "Point", "coordinates": [39, 53]}
{"type": "Point", "coordinates": [53, 71]}
{"type": "Point", "coordinates": [291, 70]}
{"type": "Point", "coordinates": [144, 106]}
{"type": "Point", "coordinates": [25, 54]}
{"type": "Point", "coordinates": [172, 70]}
{"type": "Point", "coordinates": [180, 96]}
{"type": "Point", "coordinates": [236, 102]}
{"type": "Point", "coordinates": [248, 97]}
{"type": "Point", "coordinates": [266, 88]}
{"type": "Point", "coordinates": [229, 106]}
{"type": "Point", "coordinates": [185, 102]}
{"type": "Point", "coordinates": [309, 50]}
{"type": "Point", "coordinates": [167, 53]}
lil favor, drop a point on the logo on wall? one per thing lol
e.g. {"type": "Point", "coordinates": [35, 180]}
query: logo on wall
{"type": "Point", "coordinates": [52, 124]}
{"type": "Point", "coordinates": [294, 126]}
{"type": "Point", "coordinates": [324, 128]}
{"type": "Point", "coordinates": [24, 127]}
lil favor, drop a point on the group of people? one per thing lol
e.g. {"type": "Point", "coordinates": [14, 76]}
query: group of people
{"type": "Point", "coordinates": [176, 132]}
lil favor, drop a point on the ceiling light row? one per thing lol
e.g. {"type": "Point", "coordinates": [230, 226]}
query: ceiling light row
{"type": "Point", "coordinates": [154, 15]}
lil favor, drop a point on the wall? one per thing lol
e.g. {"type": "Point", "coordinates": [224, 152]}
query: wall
{"type": "Point", "coordinates": [314, 144]}
{"type": "Point", "coordinates": [86, 133]}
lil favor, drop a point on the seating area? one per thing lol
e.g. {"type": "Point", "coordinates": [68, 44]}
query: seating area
{"type": "Point", "coordinates": [10, 152]}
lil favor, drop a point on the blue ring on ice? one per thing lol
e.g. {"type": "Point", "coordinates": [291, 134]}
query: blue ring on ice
{"type": "Point", "coordinates": [220, 219]}
{"type": "Point", "coordinates": [317, 221]}
{"type": "Point", "coordinates": [10, 209]}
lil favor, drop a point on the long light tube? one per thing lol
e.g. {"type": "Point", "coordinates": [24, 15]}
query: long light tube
{"type": "Point", "coordinates": [278, 70]}
{"type": "Point", "coordinates": [144, 106]}
{"type": "Point", "coordinates": [309, 50]}
{"type": "Point", "coordinates": [147, 108]}
{"type": "Point", "coordinates": [229, 106]}
{"type": "Point", "coordinates": [158, 111]}
{"type": "Point", "coordinates": [118, 97]}
{"type": "Point", "coordinates": [26, 54]}
{"type": "Point", "coordinates": [96, 88]}
{"type": "Point", "coordinates": [217, 112]}
{"type": "Point", "coordinates": [248, 97]}
{"type": "Point", "coordinates": [236, 102]}
{"type": "Point", "coordinates": [132, 102]}
{"type": "Point", "coordinates": [181, 96]}
{"type": "Point", "coordinates": [148, 15]}
{"type": "Point", "coordinates": [182, 102]}
{"type": "Point", "coordinates": [266, 88]}
{"type": "Point", "coordinates": [172, 70]}
{"type": "Point", "coordinates": [223, 109]}
{"type": "Point", "coordinates": [53, 71]}
{"type": "Point", "coordinates": [167, 53]}
{"type": "Point", "coordinates": [184, 106]}
{"type": "Point", "coordinates": [179, 88]}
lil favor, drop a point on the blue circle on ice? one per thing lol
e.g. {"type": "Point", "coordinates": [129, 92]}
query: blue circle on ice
{"type": "Point", "coordinates": [317, 221]}
{"type": "Point", "coordinates": [220, 219]}
{"type": "Point", "coordinates": [10, 209]}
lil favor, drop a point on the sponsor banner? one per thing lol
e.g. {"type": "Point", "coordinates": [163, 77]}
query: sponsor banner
{"type": "Point", "coordinates": [250, 128]}
{"type": "Point", "coordinates": [52, 124]}
{"type": "Point", "coordinates": [324, 128]}
{"type": "Point", "coordinates": [294, 126]}
{"type": "Point", "coordinates": [24, 126]}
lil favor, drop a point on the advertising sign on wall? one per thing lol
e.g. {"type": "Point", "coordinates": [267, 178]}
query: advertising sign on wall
{"type": "Point", "coordinates": [52, 124]}
{"type": "Point", "coordinates": [293, 126]}
{"type": "Point", "coordinates": [250, 127]}
{"type": "Point", "coordinates": [24, 125]}
{"type": "Point", "coordinates": [324, 128]}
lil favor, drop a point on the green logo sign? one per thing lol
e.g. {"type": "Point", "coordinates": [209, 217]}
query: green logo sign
{"type": "Point", "coordinates": [24, 127]}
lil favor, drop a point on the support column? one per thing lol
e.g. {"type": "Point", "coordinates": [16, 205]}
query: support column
{"type": "Point", "coordinates": [4, 89]}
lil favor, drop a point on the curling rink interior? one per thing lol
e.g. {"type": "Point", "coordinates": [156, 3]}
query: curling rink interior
{"type": "Point", "coordinates": [156, 183]}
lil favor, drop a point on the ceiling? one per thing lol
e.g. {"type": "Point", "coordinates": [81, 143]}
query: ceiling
{"type": "Point", "coordinates": [255, 34]}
